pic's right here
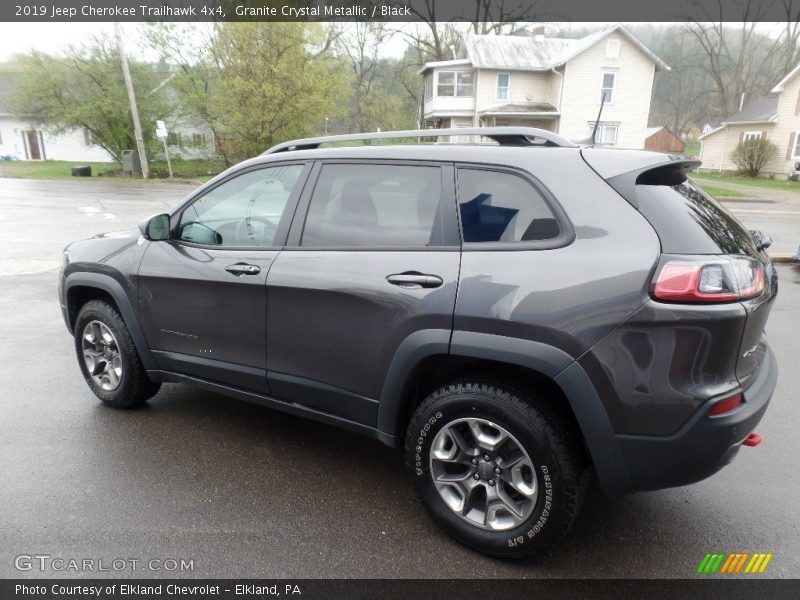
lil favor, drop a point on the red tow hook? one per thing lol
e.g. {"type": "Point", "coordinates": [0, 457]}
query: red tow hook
{"type": "Point", "coordinates": [752, 440]}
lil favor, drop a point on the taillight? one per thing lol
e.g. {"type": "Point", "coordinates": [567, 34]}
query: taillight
{"type": "Point", "coordinates": [726, 405]}
{"type": "Point", "coordinates": [723, 279]}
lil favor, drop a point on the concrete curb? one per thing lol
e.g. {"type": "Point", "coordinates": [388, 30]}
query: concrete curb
{"type": "Point", "coordinates": [784, 258]}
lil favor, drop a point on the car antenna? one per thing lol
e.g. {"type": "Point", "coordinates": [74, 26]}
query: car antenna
{"type": "Point", "coordinates": [590, 141]}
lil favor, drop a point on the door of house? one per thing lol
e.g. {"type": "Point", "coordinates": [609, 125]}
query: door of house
{"type": "Point", "coordinates": [33, 145]}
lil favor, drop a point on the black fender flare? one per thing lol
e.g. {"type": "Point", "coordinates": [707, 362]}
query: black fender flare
{"type": "Point", "coordinates": [563, 369]}
{"type": "Point", "coordinates": [114, 289]}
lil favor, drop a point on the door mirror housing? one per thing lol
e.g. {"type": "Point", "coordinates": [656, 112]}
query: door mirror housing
{"type": "Point", "coordinates": [156, 228]}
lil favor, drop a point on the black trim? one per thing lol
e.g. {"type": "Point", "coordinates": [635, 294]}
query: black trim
{"type": "Point", "coordinates": [323, 397]}
{"type": "Point", "coordinates": [117, 292]}
{"type": "Point", "coordinates": [566, 231]}
{"type": "Point", "coordinates": [250, 378]}
{"type": "Point", "coordinates": [270, 402]}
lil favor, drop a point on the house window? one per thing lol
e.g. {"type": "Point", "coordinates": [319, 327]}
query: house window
{"type": "Point", "coordinates": [796, 147]}
{"type": "Point", "coordinates": [454, 83]}
{"type": "Point", "coordinates": [607, 91]}
{"type": "Point", "coordinates": [428, 93]}
{"type": "Point", "coordinates": [198, 140]}
{"type": "Point", "coordinates": [503, 82]}
{"type": "Point", "coordinates": [173, 139]}
{"type": "Point", "coordinates": [751, 135]}
{"type": "Point", "coordinates": [612, 49]}
{"type": "Point", "coordinates": [1, 137]}
{"type": "Point", "coordinates": [606, 134]}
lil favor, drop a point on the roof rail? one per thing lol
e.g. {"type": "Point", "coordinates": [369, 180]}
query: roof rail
{"type": "Point", "coordinates": [505, 136]}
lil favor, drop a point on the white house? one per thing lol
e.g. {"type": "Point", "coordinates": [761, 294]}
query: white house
{"type": "Point", "coordinates": [775, 117]}
{"type": "Point", "coordinates": [551, 83]}
{"type": "Point", "coordinates": [20, 140]}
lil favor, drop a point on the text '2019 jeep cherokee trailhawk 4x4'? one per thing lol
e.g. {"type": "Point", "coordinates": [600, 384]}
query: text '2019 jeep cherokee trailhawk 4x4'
{"type": "Point", "coordinates": [517, 315]}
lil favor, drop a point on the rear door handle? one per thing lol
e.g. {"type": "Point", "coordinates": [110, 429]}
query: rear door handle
{"type": "Point", "coordinates": [413, 279]}
{"type": "Point", "coordinates": [243, 269]}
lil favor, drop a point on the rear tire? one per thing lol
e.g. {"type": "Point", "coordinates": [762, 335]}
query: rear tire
{"type": "Point", "coordinates": [497, 467]}
{"type": "Point", "coordinates": [108, 358]}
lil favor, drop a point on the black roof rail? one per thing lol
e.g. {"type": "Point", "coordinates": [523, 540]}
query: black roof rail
{"type": "Point", "coordinates": [505, 136]}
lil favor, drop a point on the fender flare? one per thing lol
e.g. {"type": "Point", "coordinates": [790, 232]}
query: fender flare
{"type": "Point", "coordinates": [563, 369]}
{"type": "Point", "coordinates": [113, 288]}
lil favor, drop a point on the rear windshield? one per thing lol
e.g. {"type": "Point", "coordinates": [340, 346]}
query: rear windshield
{"type": "Point", "coordinates": [689, 221]}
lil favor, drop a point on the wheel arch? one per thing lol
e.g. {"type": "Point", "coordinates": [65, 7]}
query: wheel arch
{"type": "Point", "coordinates": [537, 362]}
{"type": "Point", "coordinates": [82, 287]}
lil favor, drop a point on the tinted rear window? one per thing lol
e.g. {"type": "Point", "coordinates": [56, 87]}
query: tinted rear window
{"type": "Point", "coordinates": [688, 221]}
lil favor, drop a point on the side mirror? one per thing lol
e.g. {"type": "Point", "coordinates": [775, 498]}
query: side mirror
{"type": "Point", "coordinates": [156, 228]}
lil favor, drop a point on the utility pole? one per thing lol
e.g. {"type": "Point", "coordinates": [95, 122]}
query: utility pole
{"type": "Point", "coordinates": [137, 126]}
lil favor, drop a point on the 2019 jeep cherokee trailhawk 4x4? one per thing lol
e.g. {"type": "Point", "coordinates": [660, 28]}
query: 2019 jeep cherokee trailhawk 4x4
{"type": "Point", "coordinates": [515, 315]}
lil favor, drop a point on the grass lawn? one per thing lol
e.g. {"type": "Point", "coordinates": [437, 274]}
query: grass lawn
{"type": "Point", "coordinates": [196, 170]}
{"type": "Point", "coordinates": [762, 182]}
{"type": "Point", "coordinates": [718, 192]}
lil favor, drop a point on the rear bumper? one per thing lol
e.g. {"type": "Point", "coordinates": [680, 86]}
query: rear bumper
{"type": "Point", "coordinates": [701, 447]}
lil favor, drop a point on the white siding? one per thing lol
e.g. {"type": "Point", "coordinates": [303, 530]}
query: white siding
{"type": "Point", "coordinates": [525, 87]}
{"type": "Point", "coordinates": [630, 107]}
{"type": "Point", "coordinates": [69, 146]}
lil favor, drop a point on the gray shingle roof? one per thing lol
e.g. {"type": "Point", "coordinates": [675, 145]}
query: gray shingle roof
{"type": "Point", "coordinates": [758, 109]}
{"type": "Point", "coordinates": [529, 107]}
{"type": "Point", "coordinates": [516, 52]}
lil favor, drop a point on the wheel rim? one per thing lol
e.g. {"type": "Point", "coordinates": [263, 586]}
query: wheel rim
{"type": "Point", "coordinates": [483, 474]}
{"type": "Point", "coordinates": [101, 355]}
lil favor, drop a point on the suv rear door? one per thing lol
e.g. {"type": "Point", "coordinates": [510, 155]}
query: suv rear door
{"type": "Point", "coordinates": [372, 257]}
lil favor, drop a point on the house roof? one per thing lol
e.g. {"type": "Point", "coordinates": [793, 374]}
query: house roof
{"type": "Point", "coordinates": [758, 109]}
{"type": "Point", "coordinates": [533, 53]}
{"type": "Point", "coordinates": [782, 84]}
{"type": "Point", "coordinates": [520, 108]}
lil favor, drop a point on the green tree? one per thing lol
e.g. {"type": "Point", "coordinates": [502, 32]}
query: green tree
{"type": "Point", "coordinates": [257, 84]}
{"type": "Point", "coordinates": [85, 90]}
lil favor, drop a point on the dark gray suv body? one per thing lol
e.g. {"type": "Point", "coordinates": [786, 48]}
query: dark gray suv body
{"type": "Point", "coordinates": [358, 285]}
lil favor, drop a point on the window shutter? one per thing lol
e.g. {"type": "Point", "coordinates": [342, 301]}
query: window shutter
{"type": "Point", "coordinates": [797, 106]}
{"type": "Point", "coordinates": [763, 135]}
{"type": "Point", "coordinates": [791, 146]}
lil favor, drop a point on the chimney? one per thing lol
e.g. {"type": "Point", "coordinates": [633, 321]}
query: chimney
{"type": "Point", "coordinates": [538, 32]}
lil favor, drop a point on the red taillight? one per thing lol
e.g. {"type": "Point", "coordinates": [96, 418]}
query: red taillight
{"type": "Point", "coordinates": [724, 280]}
{"type": "Point", "coordinates": [726, 405]}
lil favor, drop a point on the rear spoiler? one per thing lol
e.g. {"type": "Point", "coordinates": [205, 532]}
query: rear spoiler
{"type": "Point", "coordinates": [671, 173]}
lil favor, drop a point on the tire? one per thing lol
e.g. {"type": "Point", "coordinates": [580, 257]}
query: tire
{"type": "Point", "coordinates": [554, 477]}
{"type": "Point", "coordinates": [104, 344]}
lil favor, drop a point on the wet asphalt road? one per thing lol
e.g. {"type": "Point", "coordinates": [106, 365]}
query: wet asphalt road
{"type": "Point", "coordinates": [249, 492]}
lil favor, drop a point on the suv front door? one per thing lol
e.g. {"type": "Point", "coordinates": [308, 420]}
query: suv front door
{"type": "Point", "coordinates": [372, 257]}
{"type": "Point", "coordinates": [202, 294]}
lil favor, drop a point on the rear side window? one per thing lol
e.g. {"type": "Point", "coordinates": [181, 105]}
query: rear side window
{"type": "Point", "coordinates": [502, 207]}
{"type": "Point", "coordinates": [375, 205]}
{"type": "Point", "coordinates": [688, 221]}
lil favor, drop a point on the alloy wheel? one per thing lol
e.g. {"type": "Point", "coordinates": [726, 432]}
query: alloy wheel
{"type": "Point", "coordinates": [101, 355]}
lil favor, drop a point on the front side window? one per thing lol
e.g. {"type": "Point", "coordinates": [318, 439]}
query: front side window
{"type": "Point", "coordinates": [503, 81]}
{"type": "Point", "coordinates": [357, 205]}
{"type": "Point", "coordinates": [428, 87]}
{"type": "Point", "coordinates": [796, 145]}
{"type": "Point", "coordinates": [502, 207]}
{"type": "Point", "coordinates": [607, 92]}
{"type": "Point", "coordinates": [242, 212]}
{"type": "Point", "coordinates": [454, 83]}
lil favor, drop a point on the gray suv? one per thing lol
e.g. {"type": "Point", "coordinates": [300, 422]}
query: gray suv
{"type": "Point", "coordinates": [516, 315]}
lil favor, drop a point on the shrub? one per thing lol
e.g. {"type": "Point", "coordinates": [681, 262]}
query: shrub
{"type": "Point", "coordinates": [751, 156]}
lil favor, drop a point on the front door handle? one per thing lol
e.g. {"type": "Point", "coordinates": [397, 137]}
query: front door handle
{"type": "Point", "coordinates": [243, 269]}
{"type": "Point", "coordinates": [413, 279]}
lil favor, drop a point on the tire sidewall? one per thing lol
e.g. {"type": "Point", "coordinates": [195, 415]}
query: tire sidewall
{"type": "Point", "coordinates": [104, 314]}
{"type": "Point", "coordinates": [544, 523]}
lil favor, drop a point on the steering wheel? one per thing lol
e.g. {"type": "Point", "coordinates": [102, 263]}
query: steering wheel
{"type": "Point", "coordinates": [260, 231]}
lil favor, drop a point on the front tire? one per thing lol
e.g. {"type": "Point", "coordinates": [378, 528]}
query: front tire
{"type": "Point", "coordinates": [497, 468]}
{"type": "Point", "coordinates": [108, 358]}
